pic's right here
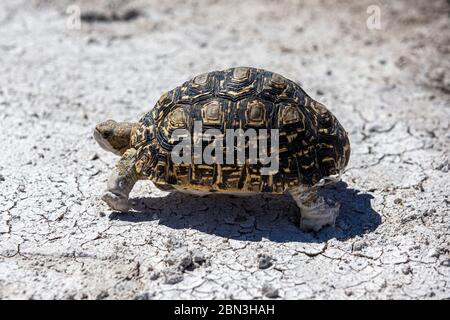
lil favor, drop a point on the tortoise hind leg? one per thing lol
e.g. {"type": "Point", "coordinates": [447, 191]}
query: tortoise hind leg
{"type": "Point", "coordinates": [121, 181]}
{"type": "Point", "coordinates": [316, 211]}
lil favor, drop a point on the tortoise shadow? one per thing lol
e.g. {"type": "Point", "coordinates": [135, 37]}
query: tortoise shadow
{"type": "Point", "coordinates": [256, 217]}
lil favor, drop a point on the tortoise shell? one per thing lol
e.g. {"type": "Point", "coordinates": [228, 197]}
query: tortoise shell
{"type": "Point", "coordinates": [312, 143]}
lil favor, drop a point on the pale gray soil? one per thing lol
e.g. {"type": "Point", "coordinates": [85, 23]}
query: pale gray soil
{"type": "Point", "coordinates": [390, 89]}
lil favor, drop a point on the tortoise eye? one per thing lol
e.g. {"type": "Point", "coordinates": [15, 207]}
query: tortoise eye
{"type": "Point", "coordinates": [108, 133]}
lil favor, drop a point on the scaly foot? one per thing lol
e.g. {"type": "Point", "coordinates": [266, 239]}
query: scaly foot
{"type": "Point", "coordinates": [116, 201]}
{"type": "Point", "coordinates": [318, 215]}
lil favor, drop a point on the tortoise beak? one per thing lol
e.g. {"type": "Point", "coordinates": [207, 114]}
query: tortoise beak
{"type": "Point", "coordinates": [103, 142]}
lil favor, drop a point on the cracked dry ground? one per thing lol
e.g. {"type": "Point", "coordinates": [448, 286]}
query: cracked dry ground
{"type": "Point", "coordinates": [389, 88]}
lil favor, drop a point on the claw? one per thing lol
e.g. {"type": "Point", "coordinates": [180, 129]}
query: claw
{"type": "Point", "coordinates": [320, 215]}
{"type": "Point", "coordinates": [116, 202]}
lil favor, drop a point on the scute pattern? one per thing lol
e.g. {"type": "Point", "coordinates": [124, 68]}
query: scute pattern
{"type": "Point", "coordinates": [255, 113]}
{"type": "Point", "coordinates": [212, 113]}
{"type": "Point", "coordinates": [312, 143]}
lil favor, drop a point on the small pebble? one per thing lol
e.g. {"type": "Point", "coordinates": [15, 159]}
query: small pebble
{"type": "Point", "coordinates": [406, 270]}
{"type": "Point", "coordinates": [102, 295]}
{"type": "Point", "coordinates": [359, 245]}
{"type": "Point", "coordinates": [446, 263]}
{"type": "Point", "coordinates": [154, 275]}
{"type": "Point", "coordinates": [198, 257]}
{"type": "Point", "coordinates": [434, 253]}
{"type": "Point", "coordinates": [172, 276]}
{"type": "Point", "coordinates": [264, 261]}
{"type": "Point", "coordinates": [269, 291]}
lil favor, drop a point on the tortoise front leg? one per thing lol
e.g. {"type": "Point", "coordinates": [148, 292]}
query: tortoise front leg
{"type": "Point", "coordinates": [316, 211]}
{"type": "Point", "coordinates": [121, 181]}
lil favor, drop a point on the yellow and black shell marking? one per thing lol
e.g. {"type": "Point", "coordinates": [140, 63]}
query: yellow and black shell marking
{"type": "Point", "coordinates": [312, 143]}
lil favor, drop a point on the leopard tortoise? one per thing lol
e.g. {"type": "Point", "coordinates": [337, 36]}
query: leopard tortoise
{"type": "Point", "coordinates": [313, 147]}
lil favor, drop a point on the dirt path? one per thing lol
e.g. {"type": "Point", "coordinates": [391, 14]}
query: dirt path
{"type": "Point", "coordinates": [390, 88]}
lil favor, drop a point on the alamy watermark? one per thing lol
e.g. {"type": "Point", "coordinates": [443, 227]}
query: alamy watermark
{"type": "Point", "coordinates": [234, 146]}
{"type": "Point", "coordinates": [373, 21]}
{"type": "Point", "coordinates": [73, 21]}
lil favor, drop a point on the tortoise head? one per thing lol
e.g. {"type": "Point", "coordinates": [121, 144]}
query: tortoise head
{"type": "Point", "coordinates": [114, 136]}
